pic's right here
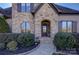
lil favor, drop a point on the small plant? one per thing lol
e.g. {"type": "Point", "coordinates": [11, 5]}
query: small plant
{"type": "Point", "coordinates": [12, 46]}
{"type": "Point", "coordinates": [64, 40]}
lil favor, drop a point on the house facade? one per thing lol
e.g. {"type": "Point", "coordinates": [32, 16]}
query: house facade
{"type": "Point", "coordinates": [43, 19]}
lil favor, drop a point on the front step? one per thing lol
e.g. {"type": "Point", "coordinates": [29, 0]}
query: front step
{"type": "Point", "coordinates": [45, 40]}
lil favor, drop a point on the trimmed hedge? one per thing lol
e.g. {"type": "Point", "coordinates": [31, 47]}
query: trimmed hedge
{"type": "Point", "coordinates": [10, 40]}
{"type": "Point", "coordinates": [7, 37]}
{"type": "Point", "coordinates": [64, 40]}
{"type": "Point", "coordinates": [26, 39]}
{"type": "Point", "coordinates": [76, 35]}
{"type": "Point", "coordinates": [4, 27]}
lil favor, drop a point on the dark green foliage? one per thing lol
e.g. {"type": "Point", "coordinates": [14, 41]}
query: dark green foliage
{"type": "Point", "coordinates": [76, 35]}
{"type": "Point", "coordinates": [22, 39]}
{"type": "Point", "coordinates": [3, 37]}
{"type": "Point", "coordinates": [64, 40]}
{"type": "Point", "coordinates": [3, 25]}
{"type": "Point", "coordinates": [7, 37]}
{"type": "Point", "coordinates": [26, 39]}
{"type": "Point", "coordinates": [11, 36]}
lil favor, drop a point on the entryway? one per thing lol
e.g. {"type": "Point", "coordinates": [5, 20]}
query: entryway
{"type": "Point", "coordinates": [45, 28]}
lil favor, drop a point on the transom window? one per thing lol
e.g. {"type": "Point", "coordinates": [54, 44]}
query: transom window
{"type": "Point", "coordinates": [67, 26]}
{"type": "Point", "coordinates": [25, 7]}
{"type": "Point", "coordinates": [25, 27]}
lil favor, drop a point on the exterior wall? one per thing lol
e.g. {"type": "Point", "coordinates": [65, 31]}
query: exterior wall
{"type": "Point", "coordinates": [1, 14]}
{"type": "Point", "coordinates": [18, 18]}
{"type": "Point", "coordinates": [9, 21]}
{"type": "Point", "coordinates": [46, 13]}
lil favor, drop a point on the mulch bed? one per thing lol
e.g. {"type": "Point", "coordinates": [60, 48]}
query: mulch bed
{"type": "Point", "coordinates": [18, 51]}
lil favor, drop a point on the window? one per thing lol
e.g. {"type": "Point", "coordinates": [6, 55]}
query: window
{"type": "Point", "coordinates": [28, 7]}
{"type": "Point", "coordinates": [63, 26]}
{"type": "Point", "coordinates": [67, 26]}
{"type": "Point", "coordinates": [25, 7]}
{"type": "Point", "coordinates": [25, 27]}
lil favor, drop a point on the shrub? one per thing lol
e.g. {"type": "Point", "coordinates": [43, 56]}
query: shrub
{"type": "Point", "coordinates": [3, 25]}
{"type": "Point", "coordinates": [2, 46]}
{"type": "Point", "coordinates": [7, 37]}
{"type": "Point", "coordinates": [64, 40]}
{"type": "Point", "coordinates": [76, 35]}
{"type": "Point", "coordinates": [11, 37]}
{"type": "Point", "coordinates": [26, 39]}
{"type": "Point", "coordinates": [12, 46]}
{"type": "Point", "coordinates": [3, 37]}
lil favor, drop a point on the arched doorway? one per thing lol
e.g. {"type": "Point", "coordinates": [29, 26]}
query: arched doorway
{"type": "Point", "coordinates": [45, 28]}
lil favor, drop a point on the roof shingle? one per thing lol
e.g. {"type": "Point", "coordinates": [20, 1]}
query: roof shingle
{"type": "Point", "coordinates": [59, 9]}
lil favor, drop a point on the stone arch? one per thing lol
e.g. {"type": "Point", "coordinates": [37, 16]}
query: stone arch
{"type": "Point", "coordinates": [45, 28]}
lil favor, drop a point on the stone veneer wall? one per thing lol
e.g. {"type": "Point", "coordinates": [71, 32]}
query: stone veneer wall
{"type": "Point", "coordinates": [1, 14]}
{"type": "Point", "coordinates": [9, 21]}
{"type": "Point", "coordinates": [18, 18]}
{"type": "Point", "coordinates": [44, 13]}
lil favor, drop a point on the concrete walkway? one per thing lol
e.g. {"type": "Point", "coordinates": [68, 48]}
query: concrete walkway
{"type": "Point", "coordinates": [46, 47]}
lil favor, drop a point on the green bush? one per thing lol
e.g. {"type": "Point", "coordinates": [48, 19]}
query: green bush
{"type": "Point", "coordinates": [11, 36]}
{"type": "Point", "coordinates": [3, 37]}
{"type": "Point", "coordinates": [64, 40]}
{"type": "Point", "coordinates": [22, 39]}
{"type": "Point", "coordinates": [26, 39]}
{"type": "Point", "coordinates": [7, 37]}
{"type": "Point", "coordinates": [3, 25]}
{"type": "Point", "coordinates": [2, 46]}
{"type": "Point", "coordinates": [76, 35]}
{"type": "Point", "coordinates": [12, 46]}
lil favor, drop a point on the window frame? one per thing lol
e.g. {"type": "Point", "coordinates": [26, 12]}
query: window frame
{"type": "Point", "coordinates": [25, 25]}
{"type": "Point", "coordinates": [25, 7]}
{"type": "Point", "coordinates": [60, 25]}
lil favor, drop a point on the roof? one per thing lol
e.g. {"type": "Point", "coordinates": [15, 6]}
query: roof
{"type": "Point", "coordinates": [65, 10]}
{"type": "Point", "coordinates": [59, 9]}
{"type": "Point", "coordinates": [1, 10]}
{"type": "Point", "coordinates": [6, 12]}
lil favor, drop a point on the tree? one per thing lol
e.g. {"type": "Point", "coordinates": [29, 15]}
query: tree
{"type": "Point", "coordinates": [3, 25]}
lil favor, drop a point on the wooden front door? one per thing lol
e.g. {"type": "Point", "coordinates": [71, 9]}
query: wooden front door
{"type": "Point", "coordinates": [45, 28]}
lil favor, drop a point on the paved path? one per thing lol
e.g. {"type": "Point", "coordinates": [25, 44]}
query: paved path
{"type": "Point", "coordinates": [46, 47]}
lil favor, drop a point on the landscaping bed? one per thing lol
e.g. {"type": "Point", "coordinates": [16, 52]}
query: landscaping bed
{"type": "Point", "coordinates": [15, 43]}
{"type": "Point", "coordinates": [19, 50]}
